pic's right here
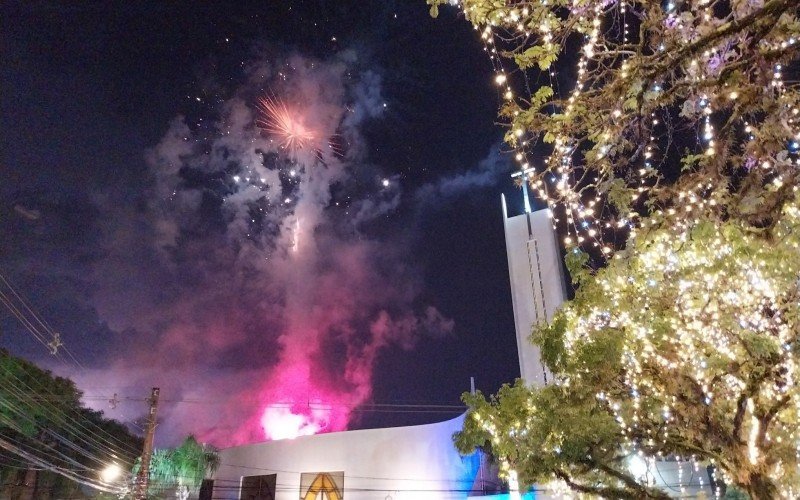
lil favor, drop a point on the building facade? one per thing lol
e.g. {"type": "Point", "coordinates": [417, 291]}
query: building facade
{"type": "Point", "coordinates": [415, 462]}
{"type": "Point", "coordinates": [421, 462]}
{"type": "Point", "coordinates": [537, 283]}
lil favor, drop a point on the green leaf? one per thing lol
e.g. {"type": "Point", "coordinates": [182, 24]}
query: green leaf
{"type": "Point", "coordinates": [619, 195]}
{"type": "Point", "coordinates": [630, 104]}
{"type": "Point", "coordinates": [541, 96]}
{"type": "Point", "coordinates": [689, 161]}
{"type": "Point", "coordinates": [576, 261]}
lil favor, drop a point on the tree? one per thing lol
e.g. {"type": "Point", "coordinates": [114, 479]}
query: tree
{"type": "Point", "coordinates": [50, 444]}
{"type": "Point", "coordinates": [686, 344]}
{"type": "Point", "coordinates": [678, 137]}
{"type": "Point", "coordinates": [182, 468]}
{"type": "Point", "coordinates": [678, 108]}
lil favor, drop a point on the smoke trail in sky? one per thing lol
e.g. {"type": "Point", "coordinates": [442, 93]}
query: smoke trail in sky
{"type": "Point", "coordinates": [265, 296]}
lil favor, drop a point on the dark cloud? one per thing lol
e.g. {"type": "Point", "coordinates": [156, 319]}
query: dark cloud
{"type": "Point", "coordinates": [262, 288]}
{"type": "Point", "coordinates": [182, 268]}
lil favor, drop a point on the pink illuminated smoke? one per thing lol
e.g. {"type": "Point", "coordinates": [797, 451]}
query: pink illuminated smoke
{"type": "Point", "coordinates": [284, 423]}
{"type": "Point", "coordinates": [294, 406]}
{"type": "Point", "coordinates": [266, 301]}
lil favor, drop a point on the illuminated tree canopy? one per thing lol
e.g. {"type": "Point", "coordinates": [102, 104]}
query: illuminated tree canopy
{"type": "Point", "coordinates": [50, 444]}
{"type": "Point", "coordinates": [180, 470]}
{"type": "Point", "coordinates": [640, 107]}
{"type": "Point", "coordinates": [664, 136]}
{"type": "Point", "coordinates": [685, 345]}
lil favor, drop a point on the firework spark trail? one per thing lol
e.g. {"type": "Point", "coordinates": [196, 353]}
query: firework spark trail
{"type": "Point", "coordinates": [278, 120]}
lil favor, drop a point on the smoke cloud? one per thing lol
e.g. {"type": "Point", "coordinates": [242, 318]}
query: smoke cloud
{"type": "Point", "coordinates": [243, 275]}
{"type": "Point", "coordinates": [256, 285]}
{"type": "Point", "coordinates": [488, 172]}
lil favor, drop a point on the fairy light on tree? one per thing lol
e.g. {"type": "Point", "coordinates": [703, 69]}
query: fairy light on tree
{"type": "Point", "coordinates": [685, 345]}
{"type": "Point", "coordinates": [652, 61]}
{"type": "Point", "coordinates": [679, 139]}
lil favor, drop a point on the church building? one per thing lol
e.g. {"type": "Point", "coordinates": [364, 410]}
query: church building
{"type": "Point", "coordinates": [415, 462]}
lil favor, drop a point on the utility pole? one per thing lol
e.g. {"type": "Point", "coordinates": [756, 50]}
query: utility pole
{"type": "Point", "coordinates": [140, 488]}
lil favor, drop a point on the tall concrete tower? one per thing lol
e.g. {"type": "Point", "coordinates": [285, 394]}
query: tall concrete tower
{"type": "Point", "coordinates": [537, 282]}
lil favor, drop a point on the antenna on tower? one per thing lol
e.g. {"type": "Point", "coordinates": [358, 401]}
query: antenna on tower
{"type": "Point", "coordinates": [525, 197]}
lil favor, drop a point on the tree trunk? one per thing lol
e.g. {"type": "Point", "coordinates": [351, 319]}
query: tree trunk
{"type": "Point", "coordinates": [761, 487]}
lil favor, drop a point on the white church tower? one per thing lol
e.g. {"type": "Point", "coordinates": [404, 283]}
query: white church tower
{"type": "Point", "coordinates": [537, 281]}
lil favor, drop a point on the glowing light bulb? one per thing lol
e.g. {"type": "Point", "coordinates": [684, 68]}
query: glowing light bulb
{"type": "Point", "coordinates": [110, 473]}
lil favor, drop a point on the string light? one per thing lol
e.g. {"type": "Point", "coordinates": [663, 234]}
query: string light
{"type": "Point", "coordinates": [563, 182]}
{"type": "Point", "coordinates": [639, 124]}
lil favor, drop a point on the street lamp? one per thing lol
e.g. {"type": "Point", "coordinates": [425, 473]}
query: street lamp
{"type": "Point", "coordinates": [110, 473]}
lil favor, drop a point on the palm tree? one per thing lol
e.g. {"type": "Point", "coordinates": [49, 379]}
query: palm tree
{"type": "Point", "coordinates": [182, 468]}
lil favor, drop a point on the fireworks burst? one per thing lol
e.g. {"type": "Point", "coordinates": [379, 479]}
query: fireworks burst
{"type": "Point", "coordinates": [278, 120]}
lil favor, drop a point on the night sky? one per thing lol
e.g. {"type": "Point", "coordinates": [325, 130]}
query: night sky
{"type": "Point", "coordinates": [173, 243]}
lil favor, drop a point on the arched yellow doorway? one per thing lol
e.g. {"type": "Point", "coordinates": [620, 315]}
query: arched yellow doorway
{"type": "Point", "coordinates": [323, 488]}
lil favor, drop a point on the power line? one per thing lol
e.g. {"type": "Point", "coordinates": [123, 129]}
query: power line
{"type": "Point", "coordinates": [69, 474]}
{"type": "Point", "coordinates": [222, 464]}
{"type": "Point", "coordinates": [44, 455]}
{"type": "Point", "coordinates": [25, 313]}
{"type": "Point", "coordinates": [107, 444]}
{"type": "Point", "coordinates": [46, 431]}
{"type": "Point", "coordinates": [428, 408]}
{"type": "Point", "coordinates": [68, 421]}
{"type": "Point", "coordinates": [45, 452]}
{"type": "Point", "coordinates": [22, 319]}
{"type": "Point", "coordinates": [50, 453]}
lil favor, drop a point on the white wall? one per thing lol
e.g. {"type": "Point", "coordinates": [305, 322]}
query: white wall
{"type": "Point", "coordinates": [399, 463]}
{"type": "Point", "coordinates": [537, 283]}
